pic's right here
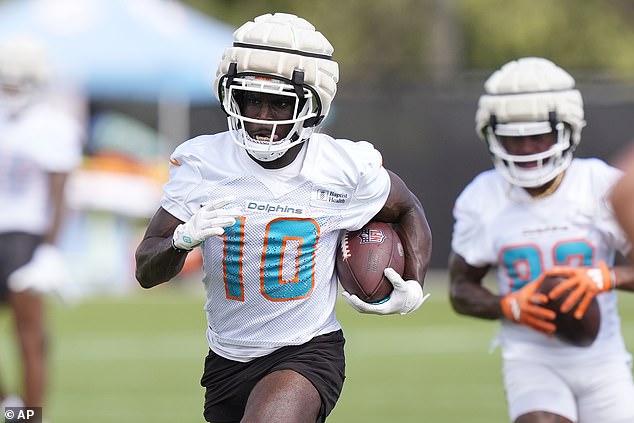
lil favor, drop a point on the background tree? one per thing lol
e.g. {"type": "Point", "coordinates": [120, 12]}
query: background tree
{"type": "Point", "coordinates": [378, 41]}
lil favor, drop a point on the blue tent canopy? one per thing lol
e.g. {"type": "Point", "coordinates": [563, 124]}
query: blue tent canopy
{"type": "Point", "coordinates": [142, 50]}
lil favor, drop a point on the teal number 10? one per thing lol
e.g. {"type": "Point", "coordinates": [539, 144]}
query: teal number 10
{"type": "Point", "coordinates": [287, 265]}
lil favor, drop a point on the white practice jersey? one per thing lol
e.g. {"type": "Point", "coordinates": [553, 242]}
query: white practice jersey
{"type": "Point", "coordinates": [270, 278]}
{"type": "Point", "coordinates": [500, 225]}
{"type": "Point", "coordinates": [39, 140]}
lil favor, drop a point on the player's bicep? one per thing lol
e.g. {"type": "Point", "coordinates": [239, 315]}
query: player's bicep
{"type": "Point", "coordinates": [403, 208]}
{"type": "Point", "coordinates": [400, 200]}
{"type": "Point", "coordinates": [461, 272]}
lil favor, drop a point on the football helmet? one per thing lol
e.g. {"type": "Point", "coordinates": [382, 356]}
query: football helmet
{"type": "Point", "coordinates": [24, 72]}
{"type": "Point", "coordinates": [279, 54]}
{"type": "Point", "coordinates": [530, 96]}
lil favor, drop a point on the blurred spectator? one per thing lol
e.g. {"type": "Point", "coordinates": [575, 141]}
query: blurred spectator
{"type": "Point", "coordinates": [39, 146]}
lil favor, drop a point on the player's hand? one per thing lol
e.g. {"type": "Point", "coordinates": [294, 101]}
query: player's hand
{"type": "Point", "coordinates": [46, 273]}
{"type": "Point", "coordinates": [585, 282]}
{"type": "Point", "coordinates": [406, 297]}
{"type": "Point", "coordinates": [524, 307]}
{"type": "Point", "coordinates": [209, 221]}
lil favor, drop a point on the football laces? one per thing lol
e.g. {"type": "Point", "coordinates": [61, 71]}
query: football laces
{"type": "Point", "coordinates": [345, 247]}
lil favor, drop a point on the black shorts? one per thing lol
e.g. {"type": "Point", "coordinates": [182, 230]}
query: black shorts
{"type": "Point", "coordinates": [16, 250]}
{"type": "Point", "coordinates": [228, 383]}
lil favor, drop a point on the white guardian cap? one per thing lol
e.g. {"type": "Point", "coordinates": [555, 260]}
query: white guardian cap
{"type": "Point", "coordinates": [279, 54]}
{"type": "Point", "coordinates": [531, 96]}
{"type": "Point", "coordinates": [24, 72]}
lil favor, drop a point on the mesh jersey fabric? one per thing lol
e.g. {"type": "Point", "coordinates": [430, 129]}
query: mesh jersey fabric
{"type": "Point", "coordinates": [500, 225]}
{"type": "Point", "coordinates": [270, 279]}
{"type": "Point", "coordinates": [39, 140]}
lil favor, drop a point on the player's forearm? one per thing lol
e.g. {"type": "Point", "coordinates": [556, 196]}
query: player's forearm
{"type": "Point", "coordinates": [466, 292]}
{"type": "Point", "coordinates": [57, 183]}
{"type": "Point", "coordinates": [622, 200]}
{"type": "Point", "coordinates": [405, 210]}
{"type": "Point", "coordinates": [474, 300]}
{"type": "Point", "coordinates": [157, 261]}
{"type": "Point", "coordinates": [416, 238]}
{"type": "Point", "coordinates": [624, 278]}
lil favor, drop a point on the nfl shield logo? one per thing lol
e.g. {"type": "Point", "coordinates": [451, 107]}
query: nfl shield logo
{"type": "Point", "coordinates": [374, 236]}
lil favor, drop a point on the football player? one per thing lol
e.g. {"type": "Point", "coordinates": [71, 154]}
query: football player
{"type": "Point", "coordinates": [39, 146]}
{"type": "Point", "coordinates": [622, 196]}
{"type": "Point", "coordinates": [267, 202]}
{"type": "Point", "coordinates": [542, 212]}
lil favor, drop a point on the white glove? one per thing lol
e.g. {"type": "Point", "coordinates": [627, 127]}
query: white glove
{"type": "Point", "coordinates": [406, 297]}
{"type": "Point", "coordinates": [209, 221]}
{"type": "Point", "coordinates": [46, 273]}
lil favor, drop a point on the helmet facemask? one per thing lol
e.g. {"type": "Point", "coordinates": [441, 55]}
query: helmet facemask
{"type": "Point", "coordinates": [306, 110]}
{"type": "Point", "coordinates": [547, 164]}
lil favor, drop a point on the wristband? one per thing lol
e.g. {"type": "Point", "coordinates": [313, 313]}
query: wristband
{"type": "Point", "coordinates": [613, 279]}
{"type": "Point", "coordinates": [178, 250]}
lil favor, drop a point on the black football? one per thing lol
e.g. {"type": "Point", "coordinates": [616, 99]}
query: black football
{"type": "Point", "coordinates": [579, 332]}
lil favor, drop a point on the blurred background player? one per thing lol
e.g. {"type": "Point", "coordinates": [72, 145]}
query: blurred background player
{"type": "Point", "coordinates": [540, 210]}
{"type": "Point", "coordinates": [267, 202]}
{"type": "Point", "coordinates": [622, 196]}
{"type": "Point", "coordinates": [39, 146]}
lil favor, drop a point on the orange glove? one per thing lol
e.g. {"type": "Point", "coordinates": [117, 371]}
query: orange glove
{"type": "Point", "coordinates": [523, 306]}
{"type": "Point", "coordinates": [585, 282]}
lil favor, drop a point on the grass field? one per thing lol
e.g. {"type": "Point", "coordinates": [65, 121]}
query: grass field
{"type": "Point", "coordinates": [138, 358]}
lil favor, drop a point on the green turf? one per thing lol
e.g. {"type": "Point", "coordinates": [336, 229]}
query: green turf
{"type": "Point", "coordinates": [138, 359]}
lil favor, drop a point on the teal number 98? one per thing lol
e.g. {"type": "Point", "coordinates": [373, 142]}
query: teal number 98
{"type": "Point", "coordinates": [525, 263]}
